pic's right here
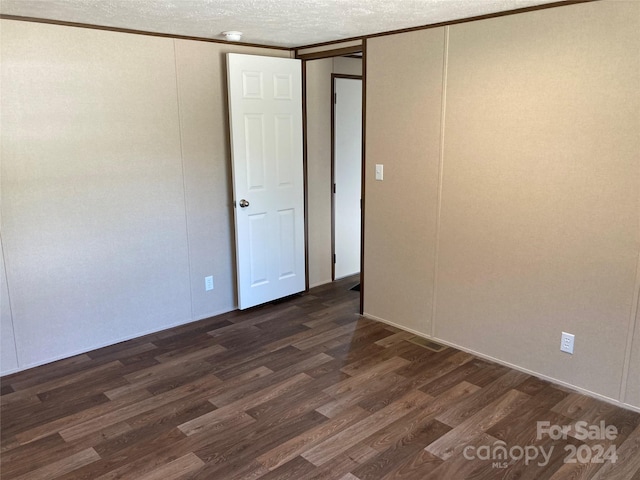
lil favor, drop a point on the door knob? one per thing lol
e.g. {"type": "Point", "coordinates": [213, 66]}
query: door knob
{"type": "Point", "coordinates": [244, 203]}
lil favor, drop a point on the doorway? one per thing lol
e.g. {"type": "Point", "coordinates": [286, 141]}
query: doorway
{"type": "Point", "coordinates": [318, 71]}
{"type": "Point", "coordinates": [265, 120]}
{"type": "Point", "coordinates": [346, 173]}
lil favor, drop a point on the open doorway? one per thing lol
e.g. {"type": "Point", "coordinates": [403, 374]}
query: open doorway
{"type": "Point", "coordinates": [320, 72]}
{"type": "Point", "coordinates": [346, 173]}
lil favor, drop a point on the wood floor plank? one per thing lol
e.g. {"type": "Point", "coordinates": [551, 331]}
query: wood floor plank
{"type": "Point", "coordinates": [399, 429]}
{"type": "Point", "coordinates": [520, 426]}
{"type": "Point", "coordinates": [575, 471]}
{"type": "Point", "coordinates": [627, 463]}
{"type": "Point", "coordinates": [399, 447]}
{"type": "Point", "coordinates": [147, 425]}
{"type": "Point", "coordinates": [62, 466]}
{"type": "Point", "coordinates": [332, 334]}
{"type": "Point", "coordinates": [459, 413]}
{"type": "Point", "coordinates": [453, 441]}
{"type": "Point", "coordinates": [175, 469]}
{"type": "Point", "coordinates": [414, 467]}
{"type": "Point", "coordinates": [231, 396]}
{"type": "Point", "coordinates": [96, 423]}
{"type": "Point", "coordinates": [279, 360]}
{"type": "Point", "coordinates": [222, 462]}
{"type": "Point", "coordinates": [233, 409]}
{"type": "Point", "coordinates": [21, 393]}
{"type": "Point", "coordinates": [331, 447]}
{"type": "Point", "coordinates": [363, 392]}
{"type": "Point", "coordinates": [349, 476]}
{"type": "Point", "coordinates": [300, 336]}
{"type": "Point", "coordinates": [302, 389]}
{"type": "Point", "coordinates": [298, 402]}
{"type": "Point", "coordinates": [294, 469]}
{"type": "Point", "coordinates": [98, 439]}
{"type": "Point", "coordinates": [46, 429]}
{"type": "Point", "coordinates": [183, 362]}
{"type": "Point", "coordinates": [36, 455]}
{"type": "Point", "coordinates": [344, 463]}
{"type": "Point", "coordinates": [381, 369]}
{"type": "Point", "coordinates": [49, 372]}
{"type": "Point", "coordinates": [416, 381]}
{"type": "Point", "coordinates": [394, 338]}
{"type": "Point", "coordinates": [134, 460]}
{"type": "Point", "coordinates": [303, 442]}
{"type": "Point", "coordinates": [461, 469]}
{"type": "Point", "coordinates": [49, 412]}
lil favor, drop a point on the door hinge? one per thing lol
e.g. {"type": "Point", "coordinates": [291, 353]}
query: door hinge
{"type": "Point", "coordinates": [334, 188]}
{"type": "Point", "coordinates": [335, 98]}
{"type": "Point", "coordinates": [334, 258]}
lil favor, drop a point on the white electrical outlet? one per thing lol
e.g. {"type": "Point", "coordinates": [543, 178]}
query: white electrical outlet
{"type": "Point", "coordinates": [566, 342]}
{"type": "Point", "coordinates": [208, 283]}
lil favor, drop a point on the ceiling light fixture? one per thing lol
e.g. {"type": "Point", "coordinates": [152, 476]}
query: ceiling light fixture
{"type": "Point", "coordinates": [232, 36]}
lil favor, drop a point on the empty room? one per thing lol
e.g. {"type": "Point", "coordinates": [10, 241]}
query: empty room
{"type": "Point", "coordinates": [319, 239]}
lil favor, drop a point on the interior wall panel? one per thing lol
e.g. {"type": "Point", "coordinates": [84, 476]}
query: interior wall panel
{"type": "Point", "coordinates": [347, 65]}
{"type": "Point", "coordinates": [318, 97]}
{"type": "Point", "coordinates": [116, 196]}
{"type": "Point", "coordinates": [539, 225]}
{"type": "Point", "coordinates": [632, 390]}
{"type": "Point", "coordinates": [8, 354]}
{"type": "Point", "coordinates": [540, 192]}
{"type": "Point", "coordinates": [92, 194]}
{"type": "Point", "coordinates": [404, 99]}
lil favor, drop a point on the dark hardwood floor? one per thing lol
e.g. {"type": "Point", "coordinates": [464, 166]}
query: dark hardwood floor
{"type": "Point", "coordinates": [305, 389]}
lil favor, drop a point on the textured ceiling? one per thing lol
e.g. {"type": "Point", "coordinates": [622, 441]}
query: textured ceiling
{"type": "Point", "coordinates": [287, 23]}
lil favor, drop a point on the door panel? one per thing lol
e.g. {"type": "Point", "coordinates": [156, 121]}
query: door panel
{"type": "Point", "coordinates": [255, 154]}
{"type": "Point", "coordinates": [287, 257]}
{"type": "Point", "coordinates": [265, 111]}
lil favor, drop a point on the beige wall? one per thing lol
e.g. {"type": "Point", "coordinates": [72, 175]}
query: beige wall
{"type": "Point", "coordinates": [404, 102]}
{"type": "Point", "coordinates": [115, 185]}
{"type": "Point", "coordinates": [347, 65]}
{"type": "Point", "coordinates": [318, 96]}
{"type": "Point", "coordinates": [538, 226]}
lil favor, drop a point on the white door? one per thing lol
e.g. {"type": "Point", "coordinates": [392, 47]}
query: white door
{"type": "Point", "coordinates": [347, 175]}
{"type": "Point", "coordinates": [265, 109]}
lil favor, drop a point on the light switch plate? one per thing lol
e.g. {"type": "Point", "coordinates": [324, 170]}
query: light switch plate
{"type": "Point", "coordinates": [379, 172]}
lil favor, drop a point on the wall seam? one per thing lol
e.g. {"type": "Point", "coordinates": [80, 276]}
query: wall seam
{"type": "Point", "coordinates": [443, 108]}
{"type": "Point", "coordinates": [184, 177]}
{"type": "Point", "coordinates": [6, 280]}
{"type": "Point", "coordinates": [632, 330]}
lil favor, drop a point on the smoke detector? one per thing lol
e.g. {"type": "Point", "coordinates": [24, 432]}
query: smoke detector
{"type": "Point", "coordinates": [232, 36]}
